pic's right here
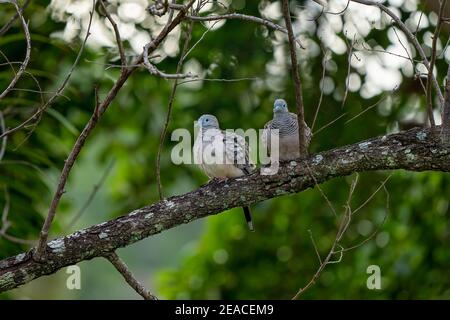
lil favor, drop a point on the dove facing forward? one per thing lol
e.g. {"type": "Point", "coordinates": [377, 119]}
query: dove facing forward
{"type": "Point", "coordinates": [222, 155]}
{"type": "Point", "coordinates": [287, 125]}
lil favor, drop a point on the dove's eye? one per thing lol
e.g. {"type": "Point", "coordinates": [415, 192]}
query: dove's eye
{"type": "Point", "coordinates": [207, 120]}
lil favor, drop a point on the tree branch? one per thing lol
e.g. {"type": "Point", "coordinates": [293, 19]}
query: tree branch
{"type": "Point", "coordinates": [8, 25]}
{"type": "Point", "coordinates": [303, 145]}
{"type": "Point", "coordinates": [445, 131]}
{"type": "Point", "coordinates": [40, 111]}
{"type": "Point", "coordinates": [432, 63]}
{"type": "Point", "coordinates": [243, 17]}
{"type": "Point", "coordinates": [411, 37]}
{"type": "Point", "coordinates": [128, 276]}
{"type": "Point", "coordinates": [162, 136]}
{"type": "Point", "coordinates": [123, 59]}
{"type": "Point", "coordinates": [100, 109]}
{"type": "Point", "coordinates": [23, 66]}
{"type": "Point", "coordinates": [413, 150]}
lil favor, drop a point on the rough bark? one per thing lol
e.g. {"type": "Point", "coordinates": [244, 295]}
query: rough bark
{"type": "Point", "coordinates": [413, 150]}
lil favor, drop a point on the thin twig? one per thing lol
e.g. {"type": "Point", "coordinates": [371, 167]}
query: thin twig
{"type": "Point", "coordinates": [432, 63]}
{"type": "Point", "coordinates": [24, 65]}
{"type": "Point", "coordinates": [377, 230]}
{"type": "Point", "coordinates": [153, 69]}
{"type": "Point", "coordinates": [123, 59]}
{"type": "Point", "coordinates": [184, 52]}
{"type": "Point", "coordinates": [156, 72]}
{"type": "Point", "coordinates": [244, 17]}
{"type": "Point", "coordinates": [303, 145]}
{"type": "Point", "coordinates": [5, 138]}
{"type": "Point", "coordinates": [129, 277]}
{"type": "Point", "coordinates": [371, 107]}
{"type": "Point", "coordinates": [411, 39]}
{"type": "Point", "coordinates": [349, 67]}
{"type": "Point", "coordinates": [6, 224]}
{"type": "Point", "coordinates": [329, 123]}
{"type": "Point", "coordinates": [373, 194]}
{"type": "Point", "coordinates": [343, 226]}
{"type": "Point", "coordinates": [219, 80]}
{"type": "Point", "coordinates": [324, 69]}
{"type": "Point", "coordinates": [8, 25]}
{"type": "Point", "coordinates": [315, 246]}
{"type": "Point", "coordinates": [91, 197]}
{"type": "Point", "coordinates": [61, 88]}
{"type": "Point", "coordinates": [445, 131]}
{"type": "Point", "coordinates": [200, 39]}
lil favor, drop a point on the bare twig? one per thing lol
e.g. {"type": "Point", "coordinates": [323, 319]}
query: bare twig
{"type": "Point", "coordinates": [219, 80]}
{"type": "Point", "coordinates": [411, 39]}
{"type": "Point", "coordinates": [200, 39]}
{"type": "Point", "coordinates": [329, 123]}
{"type": "Point", "coordinates": [303, 145]}
{"type": "Point", "coordinates": [343, 226]}
{"type": "Point", "coordinates": [383, 183]}
{"type": "Point", "coordinates": [324, 69]}
{"type": "Point", "coordinates": [432, 63]}
{"type": "Point", "coordinates": [337, 248]}
{"type": "Point", "coordinates": [445, 131]}
{"type": "Point", "coordinates": [8, 25]}
{"type": "Point", "coordinates": [322, 193]}
{"type": "Point", "coordinates": [99, 111]}
{"type": "Point", "coordinates": [92, 195]}
{"type": "Point", "coordinates": [377, 230]}
{"type": "Point", "coordinates": [156, 72]}
{"type": "Point", "coordinates": [162, 137]}
{"type": "Point", "coordinates": [244, 17]}
{"type": "Point", "coordinates": [6, 224]}
{"type": "Point", "coordinates": [5, 138]}
{"type": "Point", "coordinates": [371, 107]}
{"type": "Point", "coordinates": [61, 88]}
{"type": "Point", "coordinates": [129, 277]}
{"type": "Point", "coordinates": [349, 67]}
{"type": "Point", "coordinates": [151, 67]}
{"type": "Point", "coordinates": [315, 246]}
{"type": "Point", "coordinates": [23, 66]}
{"type": "Point", "coordinates": [123, 59]}
{"type": "Point", "coordinates": [160, 7]}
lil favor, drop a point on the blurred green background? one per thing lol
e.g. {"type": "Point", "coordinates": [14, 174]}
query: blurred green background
{"type": "Point", "coordinates": [217, 257]}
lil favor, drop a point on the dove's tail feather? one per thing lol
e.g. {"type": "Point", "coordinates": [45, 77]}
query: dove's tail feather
{"type": "Point", "coordinates": [248, 218]}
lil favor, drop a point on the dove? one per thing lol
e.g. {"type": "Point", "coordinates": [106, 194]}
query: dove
{"type": "Point", "coordinates": [222, 155]}
{"type": "Point", "coordinates": [287, 125]}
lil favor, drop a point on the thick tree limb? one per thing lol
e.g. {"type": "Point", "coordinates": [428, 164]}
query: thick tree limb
{"type": "Point", "coordinates": [413, 150]}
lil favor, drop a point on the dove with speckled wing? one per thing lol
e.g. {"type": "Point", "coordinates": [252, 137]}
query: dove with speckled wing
{"type": "Point", "coordinates": [286, 125]}
{"type": "Point", "coordinates": [222, 154]}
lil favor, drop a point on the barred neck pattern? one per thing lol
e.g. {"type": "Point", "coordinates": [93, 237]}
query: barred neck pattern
{"type": "Point", "coordinates": [286, 123]}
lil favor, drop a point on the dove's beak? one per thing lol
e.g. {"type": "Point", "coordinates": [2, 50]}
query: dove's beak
{"type": "Point", "coordinates": [277, 109]}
